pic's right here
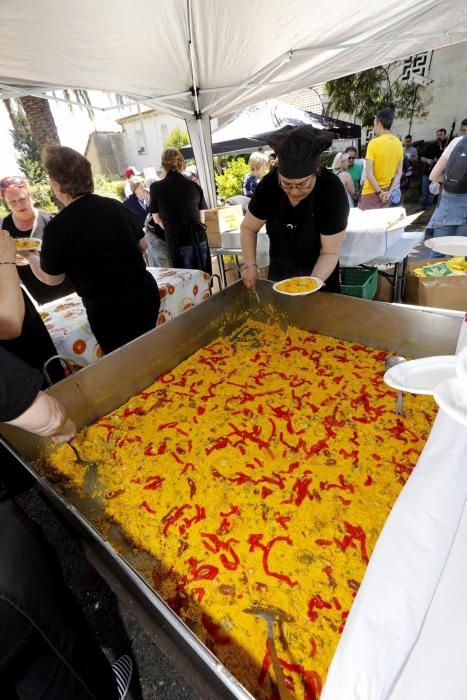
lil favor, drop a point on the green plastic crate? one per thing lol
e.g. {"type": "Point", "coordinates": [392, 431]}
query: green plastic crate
{"type": "Point", "coordinates": [359, 282]}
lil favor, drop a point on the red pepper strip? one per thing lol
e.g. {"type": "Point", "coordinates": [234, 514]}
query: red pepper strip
{"type": "Point", "coordinates": [312, 647]}
{"type": "Point", "coordinates": [173, 515]}
{"type": "Point", "coordinates": [200, 410]}
{"type": "Point", "coordinates": [354, 438]}
{"type": "Point", "coordinates": [129, 440]}
{"type": "Point", "coordinates": [282, 520]}
{"type": "Point", "coordinates": [265, 492]}
{"type": "Point", "coordinates": [172, 424]}
{"type": "Point", "coordinates": [138, 411]}
{"type": "Point", "coordinates": [301, 489]}
{"type": "Point", "coordinates": [210, 394]}
{"type": "Point", "coordinates": [192, 486]}
{"type": "Point", "coordinates": [148, 450]}
{"type": "Point", "coordinates": [176, 457]}
{"type": "Point", "coordinates": [199, 592]}
{"type": "Point", "coordinates": [316, 448]}
{"type": "Point", "coordinates": [344, 617]}
{"type": "Point", "coordinates": [312, 682]}
{"type": "Point", "coordinates": [213, 630]}
{"type": "Point", "coordinates": [316, 602]}
{"type": "Point", "coordinates": [188, 522]}
{"type": "Point", "coordinates": [255, 542]}
{"type": "Point", "coordinates": [219, 444]}
{"type": "Point", "coordinates": [108, 427]}
{"type": "Point", "coordinates": [154, 482]}
{"type": "Point", "coordinates": [147, 507]}
{"type": "Point", "coordinates": [234, 510]}
{"type": "Point", "coordinates": [167, 378]}
{"type": "Point", "coordinates": [345, 501]}
{"type": "Point", "coordinates": [337, 605]}
{"type": "Point", "coordinates": [350, 455]}
{"type": "Point", "coordinates": [325, 486]}
{"type": "Point", "coordinates": [368, 481]}
{"type": "Point", "coordinates": [182, 432]}
{"type": "Point", "coordinates": [323, 543]}
{"type": "Point", "coordinates": [114, 494]}
{"type": "Point", "coordinates": [203, 572]}
{"type": "Point", "coordinates": [187, 466]}
{"type": "Point", "coordinates": [355, 533]}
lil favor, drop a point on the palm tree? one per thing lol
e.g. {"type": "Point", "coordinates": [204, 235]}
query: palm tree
{"type": "Point", "coordinates": [41, 120]}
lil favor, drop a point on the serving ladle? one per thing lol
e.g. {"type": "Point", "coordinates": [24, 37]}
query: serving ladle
{"type": "Point", "coordinates": [392, 362]}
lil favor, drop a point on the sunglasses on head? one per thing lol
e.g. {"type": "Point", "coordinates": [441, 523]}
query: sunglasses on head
{"type": "Point", "coordinates": [8, 182]}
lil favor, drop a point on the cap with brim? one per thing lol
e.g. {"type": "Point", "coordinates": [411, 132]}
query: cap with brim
{"type": "Point", "coordinates": [298, 149]}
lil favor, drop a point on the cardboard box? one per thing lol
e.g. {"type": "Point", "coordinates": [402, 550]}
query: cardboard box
{"type": "Point", "coordinates": [222, 219]}
{"type": "Point", "coordinates": [384, 289]}
{"type": "Point", "coordinates": [440, 292]}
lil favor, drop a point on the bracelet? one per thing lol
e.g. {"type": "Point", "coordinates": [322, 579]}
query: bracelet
{"type": "Point", "coordinates": [7, 263]}
{"type": "Point", "coordinates": [379, 192]}
{"type": "Point", "coordinates": [250, 265]}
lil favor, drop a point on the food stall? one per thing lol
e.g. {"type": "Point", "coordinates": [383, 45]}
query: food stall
{"type": "Point", "coordinates": [93, 392]}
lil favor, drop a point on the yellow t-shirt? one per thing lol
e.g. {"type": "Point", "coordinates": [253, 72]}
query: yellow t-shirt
{"type": "Point", "coordinates": [386, 153]}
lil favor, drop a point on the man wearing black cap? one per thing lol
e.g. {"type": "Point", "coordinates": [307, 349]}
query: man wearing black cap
{"type": "Point", "coordinates": [305, 210]}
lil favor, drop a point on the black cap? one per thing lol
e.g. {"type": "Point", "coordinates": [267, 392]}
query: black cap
{"type": "Point", "coordinates": [298, 149]}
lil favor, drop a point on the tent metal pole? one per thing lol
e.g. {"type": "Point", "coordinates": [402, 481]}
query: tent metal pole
{"type": "Point", "coordinates": [143, 129]}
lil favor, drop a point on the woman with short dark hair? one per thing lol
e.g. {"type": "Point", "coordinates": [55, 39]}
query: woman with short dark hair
{"type": "Point", "coordinates": [99, 245]}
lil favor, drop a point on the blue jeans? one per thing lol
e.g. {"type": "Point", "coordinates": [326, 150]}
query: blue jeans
{"type": "Point", "coordinates": [427, 197]}
{"type": "Point", "coordinates": [157, 251]}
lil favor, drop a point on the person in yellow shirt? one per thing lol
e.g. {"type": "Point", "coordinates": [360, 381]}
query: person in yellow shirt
{"type": "Point", "coordinates": [383, 161]}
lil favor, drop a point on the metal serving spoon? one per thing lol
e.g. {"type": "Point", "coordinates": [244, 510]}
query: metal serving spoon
{"type": "Point", "coordinates": [91, 481]}
{"type": "Point", "coordinates": [392, 362]}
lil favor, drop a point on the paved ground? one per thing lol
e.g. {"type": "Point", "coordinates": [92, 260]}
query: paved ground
{"type": "Point", "coordinates": [115, 627]}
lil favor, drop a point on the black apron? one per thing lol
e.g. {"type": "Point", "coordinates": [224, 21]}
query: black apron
{"type": "Point", "coordinates": [295, 243]}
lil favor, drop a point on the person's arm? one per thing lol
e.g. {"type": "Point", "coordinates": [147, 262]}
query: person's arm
{"type": "Point", "coordinates": [35, 264]}
{"type": "Point", "coordinates": [329, 256]}
{"type": "Point", "coordinates": [248, 235]}
{"type": "Point", "coordinates": [46, 417]}
{"type": "Point", "coordinates": [201, 216]}
{"type": "Point", "coordinates": [372, 180]}
{"type": "Point", "coordinates": [143, 245]}
{"type": "Point", "coordinates": [437, 174]}
{"type": "Point", "coordinates": [349, 186]}
{"type": "Point", "coordinates": [157, 219]}
{"type": "Point", "coordinates": [11, 296]}
{"type": "Point", "coordinates": [386, 196]}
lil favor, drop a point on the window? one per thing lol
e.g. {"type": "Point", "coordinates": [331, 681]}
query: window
{"type": "Point", "coordinates": [415, 65]}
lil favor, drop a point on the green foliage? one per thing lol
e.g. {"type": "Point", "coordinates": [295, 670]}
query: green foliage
{"type": "Point", "coordinates": [230, 182]}
{"type": "Point", "coordinates": [42, 196]}
{"type": "Point", "coordinates": [106, 187]}
{"type": "Point", "coordinates": [362, 95]}
{"type": "Point", "coordinates": [177, 139]}
{"type": "Point", "coordinates": [326, 159]}
{"type": "Point", "coordinates": [29, 159]}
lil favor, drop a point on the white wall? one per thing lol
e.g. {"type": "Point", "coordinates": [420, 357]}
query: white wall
{"type": "Point", "coordinates": [157, 127]}
{"type": "Point", "coordinates": [444, 100]}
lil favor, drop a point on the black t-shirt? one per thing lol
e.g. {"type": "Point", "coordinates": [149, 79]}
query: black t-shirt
{"type": "Point", "coordinates": [34, 345]}
{"type": "Point", "coordinates": [176, 199]}
{"type": "Point", "coordinates": [433, 150]}
{"type": "Point", "coordinates": [41, 292]}
{"type": "Point", "coordinates": [295, 232]}
{"type": "Point", "coordinates": [95, 241]}
{"type": "Point", "coordinates": [19, 386]}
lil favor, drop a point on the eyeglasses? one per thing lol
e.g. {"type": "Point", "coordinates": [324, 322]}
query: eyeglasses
{"type": "Point", "coordinates": [350, 157]}
{"type": "Point", "coordinates": [306, 185]}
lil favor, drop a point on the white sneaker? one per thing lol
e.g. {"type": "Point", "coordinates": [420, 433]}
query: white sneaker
{"type": "Point", "coordinates": [123, 669]}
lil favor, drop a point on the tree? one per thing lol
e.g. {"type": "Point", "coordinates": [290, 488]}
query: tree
{"type": "Point", "coordinates": [177, 139]}
{"type": "Point", "coordinates": [363, 94]}
{"type": "Point", "coordinates": [28, 158]}
{"type": "Point", "coordinates": [41, 121]}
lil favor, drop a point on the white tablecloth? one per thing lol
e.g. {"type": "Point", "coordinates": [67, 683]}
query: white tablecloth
{"type": "Point", "coordinates": [68, 325]}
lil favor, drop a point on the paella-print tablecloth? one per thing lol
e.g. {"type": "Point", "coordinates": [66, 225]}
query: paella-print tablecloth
{"type": "Point", "coordinates": [68, 325]}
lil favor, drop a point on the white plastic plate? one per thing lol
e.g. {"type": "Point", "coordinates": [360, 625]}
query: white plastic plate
{"type": "Point", "coordinates": [421, 376]}
{"type": "Point", "coordinates": [448, 245]}
{"type": "Point", "coordinates": [319, 284]}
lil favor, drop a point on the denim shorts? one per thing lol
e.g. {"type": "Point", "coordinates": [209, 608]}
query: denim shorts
{"type": "Point", "coordinates": [451, 211]}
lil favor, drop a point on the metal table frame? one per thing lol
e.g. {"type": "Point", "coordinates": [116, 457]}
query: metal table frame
{"type": "Point", "coordinates": [219, 253]}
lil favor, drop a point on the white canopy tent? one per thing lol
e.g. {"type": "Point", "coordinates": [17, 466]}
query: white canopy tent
{"type": "Point", "coordinates": [199, 59]}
